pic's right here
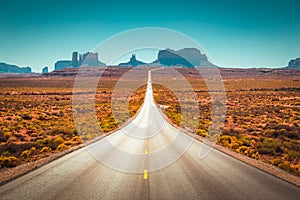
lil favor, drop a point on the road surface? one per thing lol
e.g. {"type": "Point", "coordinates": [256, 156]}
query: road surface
{"type": "Point", "coordinates": [147, 159]}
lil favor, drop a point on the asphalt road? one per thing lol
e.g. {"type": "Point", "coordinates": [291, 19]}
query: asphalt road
{"type": "Point", "coordinates": [147, 159]}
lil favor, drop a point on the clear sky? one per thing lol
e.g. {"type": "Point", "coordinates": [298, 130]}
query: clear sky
{"type": "Point", "coordinates": [246, 33]}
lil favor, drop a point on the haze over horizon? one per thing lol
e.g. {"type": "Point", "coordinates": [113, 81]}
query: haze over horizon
{"type": "Point", "coordinates": [233, 33]}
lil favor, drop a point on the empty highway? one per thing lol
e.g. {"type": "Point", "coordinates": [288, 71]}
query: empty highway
{"type": "Point", "coordinates": [147, 159]}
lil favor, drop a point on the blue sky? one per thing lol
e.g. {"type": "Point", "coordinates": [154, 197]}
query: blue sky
{"type": "Point", "coordinates": [234, 33]}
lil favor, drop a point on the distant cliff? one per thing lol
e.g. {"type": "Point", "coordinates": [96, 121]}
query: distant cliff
{"type": "Point", "coordinates": [132, 62]}
{"type": "Point", "coordinates": [86, 59]}
{"type": "Point", "coordinates": [187, 57]}
{"type": "Point", "coordinates": [61, 64]}
{"type": "Point", "coordinates": [89, 59]}
{"type": "Point", "coordinates": [7, 68]}
{"type": "Point", "coordinates": [294, 64]}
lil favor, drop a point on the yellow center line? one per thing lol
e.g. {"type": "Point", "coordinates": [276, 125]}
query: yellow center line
{"type": "Point", "coordinates": [145, 174]}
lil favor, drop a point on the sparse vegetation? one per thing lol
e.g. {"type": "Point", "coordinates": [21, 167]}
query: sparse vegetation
{"type": "Point", "coordinates": [262, 116]}
{"type": "Point", "coordinates": [36, 116]}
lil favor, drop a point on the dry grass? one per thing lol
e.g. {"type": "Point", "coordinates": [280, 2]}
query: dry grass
{"type": "Point", "coordinates": [262, 117]}
{"type": "Point", "coordinates": [36, 116]}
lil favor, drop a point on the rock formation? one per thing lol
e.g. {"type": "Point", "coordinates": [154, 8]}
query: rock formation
{"type": "Point", "coordinates": [187, 57]}
{"type": "Point", "coordinates": [294, 64]}
{"type": "Point", "coordinates": [86, 59]}
{"type": "Point", "coordinates": [75, 59]}
{"type": "Point", "coordinates": [132, 62]}
{"type": "Point", "coordinates": [61, 64]}
{"type": "Point", "coordinates": [45, 70]}
{"type": "Point", "coordinates": [90, 59]}
{"type": "Point", "coordinates": [7, 68]}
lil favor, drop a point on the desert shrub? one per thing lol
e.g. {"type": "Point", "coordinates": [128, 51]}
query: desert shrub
{"type": "Point", "coordinates": [246, 141]}
{"type": "Point", "coordinates": [33, 150]}
{"type": "Point", "coordinates": [77, 140]}
{"type": "Point", "coordinates": [106, 126]}
{"type": "Point", "coordinates": [287, 166]}
{"type": "Point", "coordinates": [254, 155]}
{"type": "Point", "coordinates": [62, 147]}
{"type": "Point", "coordinates": [47, 142]}
{"type": "Point", "coordinates": [292, 145]}
{"type": "Point", "coordinates": [26, 117]}
{"type": "Point", "coordinates": [59, 140]}
{"type": "Point", "coordinates": [2, 137]}
{"type": "Point", "coordinates": [276, 161]}
{"type": "Point", "coordinates": [16, 149]}
{"type": "Point", "coordinates": [33, 135]}
{"type": "Point", "coordinates": [291, 135]}
{"type": "Point", "coordinates": [12, 139]}
{"type": "Point", "coordinates": [275, 130]}
{"type": "Point", "coordinates": [234, 145]}
{"type": "Point", "coordinates": [271, 133]}
{"type": "Point", "coordinates": [68, 142]}
{"type": "Point", "coordinates": [230, 132]}
{"type": "Point", "coordinates": [7, 135]}
{"type": "Point", "coordinates": [10, 161]}
{"type": "Point", "coordinates": [227, 140]}
{"type": "Point", "coordinates": [269, 146]}
{"type": "Point", "coordinates": [291, 155]}
{"type": "Point", "coordinates": [175, 117]}
{"type": "Point", "coordinates": [296, 167]}
{"type": "Point", "coordinates": [63, 131]}
{"type": "Point", "coordinates": [25, 154]}
{"type": "Point", "coordinates": [242, 149]}
{"type": "Point", "coordinates": [75, 132]}
{"type": "Point", "coordinates": [46, 150]}
{"type": "Point", "coordinates": [202, 132]}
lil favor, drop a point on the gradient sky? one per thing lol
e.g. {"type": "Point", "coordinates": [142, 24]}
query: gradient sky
{"type": "Point", "coordinates": [234, 33]}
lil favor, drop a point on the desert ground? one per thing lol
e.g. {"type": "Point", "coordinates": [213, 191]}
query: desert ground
{"type": "Point", "coordinates": [262, 113]}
